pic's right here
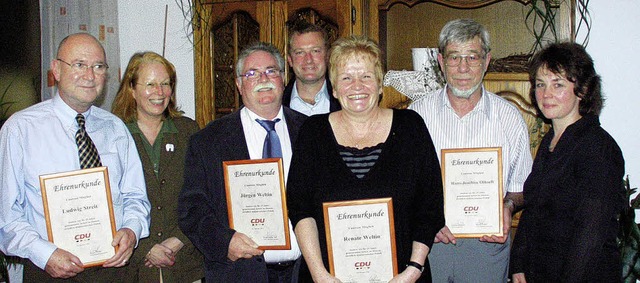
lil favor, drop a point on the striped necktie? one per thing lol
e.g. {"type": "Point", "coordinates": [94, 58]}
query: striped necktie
{"type": "Point", "coordinates": [87, 151]}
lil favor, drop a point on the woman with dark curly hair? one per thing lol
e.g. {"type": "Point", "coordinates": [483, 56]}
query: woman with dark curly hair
{"type": "Point", "coordinates": [574, 193]}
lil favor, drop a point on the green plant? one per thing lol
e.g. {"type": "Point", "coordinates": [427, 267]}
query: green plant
{"type": "Point", "coordinates": [5, 105]}
{"type": "Point", "coordinates": [541, 21]}
{"type": "Point", "coordinates": [5, 262]}
{"type": "Point", "coordinates": [629, 237]}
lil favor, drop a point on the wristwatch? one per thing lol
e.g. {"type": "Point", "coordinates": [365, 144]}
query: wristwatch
{"type": "Point", "coordinates": [416, 265]}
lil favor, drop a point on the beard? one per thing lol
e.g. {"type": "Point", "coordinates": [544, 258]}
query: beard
{"type": "Point", "coordinates": [465, 93]}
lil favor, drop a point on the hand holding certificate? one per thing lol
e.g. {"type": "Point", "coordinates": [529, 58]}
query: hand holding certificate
{"type": "Point", "coordinates": [256, 201]}
{"type": "Point", "coordinates": [361, 240]}
{"type": "Point", "coordinates": [472, 181]}
{"type": "Point", "coordinates": [79, 213]}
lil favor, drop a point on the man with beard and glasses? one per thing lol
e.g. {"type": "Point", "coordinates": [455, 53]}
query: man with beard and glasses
{"type": "Point", "coordinates": [465, 115]}
{"type": "Point", "coordinates": [232, 256]}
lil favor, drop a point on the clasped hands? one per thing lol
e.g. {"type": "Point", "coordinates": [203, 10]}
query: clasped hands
{"type": "Point", "coordinates": [163, 254]}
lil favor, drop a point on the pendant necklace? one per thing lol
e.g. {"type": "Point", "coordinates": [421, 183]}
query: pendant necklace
{"type": "Point", "coordinates": [359, 141]}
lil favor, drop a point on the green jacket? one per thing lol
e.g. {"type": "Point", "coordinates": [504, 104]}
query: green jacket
{"type": "Point", "coordinates": [163, 194]}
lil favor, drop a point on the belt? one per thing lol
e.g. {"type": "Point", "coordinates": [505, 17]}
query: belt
{"type": "Point", "coordinates": [281, 265]}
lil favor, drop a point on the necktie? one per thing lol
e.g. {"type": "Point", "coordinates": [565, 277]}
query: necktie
{"type": "Point", "coordinates": [87, 151]}
{"type": "Point", "coordinates": [271, 146]}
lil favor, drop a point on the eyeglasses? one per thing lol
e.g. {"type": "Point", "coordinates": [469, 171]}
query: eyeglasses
{"type": "Point", "coordinates": [253, 75]}
{"type": "Point", "coordinates": [472, 60]}
{"type": "Point", "coordinates": [100, 68]}
{"type": "Point", "coordinates": [150, 87]}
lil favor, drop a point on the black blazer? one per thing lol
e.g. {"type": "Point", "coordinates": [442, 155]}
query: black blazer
{"type": "Point", "coordinates": [334, 104]}
{"type": "Point", "coordinates": [202, 204]}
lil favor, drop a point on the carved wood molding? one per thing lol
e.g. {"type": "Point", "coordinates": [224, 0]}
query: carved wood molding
{"type": "Point", "coordinates": [461, 4]}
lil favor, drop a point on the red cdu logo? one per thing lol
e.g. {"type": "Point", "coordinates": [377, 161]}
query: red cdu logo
{"type": "Point", "coordinates": [82, 237]}
{"type": "Point", "coordinates": [362, 264]}
{"type": "Point", "coordinates": [257, 222]}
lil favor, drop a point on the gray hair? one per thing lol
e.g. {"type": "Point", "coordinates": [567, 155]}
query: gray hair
{"type": "Point", "coordinates": [463, 30]}
{"type": "Point", "coordinates": [259, 46]}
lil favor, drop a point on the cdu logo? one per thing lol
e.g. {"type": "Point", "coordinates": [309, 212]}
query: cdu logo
{"type": "Point", "coordinates": [257, 222]}
{"type": "Point", "coordinates": [82, 237]}
{"type": "Point", "coordinates": [362, 265]}
{"type": "Point", "coordinates": [471, 209]}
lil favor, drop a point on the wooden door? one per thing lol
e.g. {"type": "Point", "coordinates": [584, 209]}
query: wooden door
{"type": "Point", "coordinates": [222, 28]}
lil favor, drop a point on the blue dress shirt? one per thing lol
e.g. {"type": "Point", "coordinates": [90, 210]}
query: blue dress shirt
{"type": "Point", "coordinates": [40, 140]}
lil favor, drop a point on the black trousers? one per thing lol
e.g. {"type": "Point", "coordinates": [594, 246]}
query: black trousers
{"type": "Point", "coordinates": [98, 274]}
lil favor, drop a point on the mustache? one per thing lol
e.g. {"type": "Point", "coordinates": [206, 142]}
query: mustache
{"type": "Point", "coordinates": [264, 85]}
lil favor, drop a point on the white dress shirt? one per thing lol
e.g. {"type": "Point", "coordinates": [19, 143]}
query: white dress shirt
{"type": "Point", "coordinates": [321, 105]}
{"type": "Point", "coordinates": [255, 135]}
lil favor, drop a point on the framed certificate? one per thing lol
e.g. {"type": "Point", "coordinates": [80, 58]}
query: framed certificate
{"type": "Point", "coordinates": [256, 201]}
{"type": "Point", "coordinates": [472, 181]}
{"type": "Point", "coordinates": [361, 240]}
{"type": "Point", "coordinates": [79, 213]}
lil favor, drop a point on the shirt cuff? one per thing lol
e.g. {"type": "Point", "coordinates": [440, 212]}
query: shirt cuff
{"type": "Point", "coordinates": [41, 252]}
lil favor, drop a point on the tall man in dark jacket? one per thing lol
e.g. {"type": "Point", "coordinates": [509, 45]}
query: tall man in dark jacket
{"type": "Point", "coordinates": [310, 93]}
{"type": "Point", "coordinates": [231, 256]}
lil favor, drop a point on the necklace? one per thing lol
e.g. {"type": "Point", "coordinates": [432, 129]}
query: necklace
{"type": "Point", "coordinates": [364, 138]}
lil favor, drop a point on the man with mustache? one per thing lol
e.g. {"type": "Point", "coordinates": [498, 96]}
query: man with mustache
{"type": "Point", "coordinates": [465, 115]}
{"type": "Point", "coordinates": [231, 256]}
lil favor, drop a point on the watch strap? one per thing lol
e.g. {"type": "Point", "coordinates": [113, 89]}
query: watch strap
{"type": "Point", "coordinates": [420, 267]}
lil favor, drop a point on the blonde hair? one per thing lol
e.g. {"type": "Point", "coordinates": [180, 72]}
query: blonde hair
{"type": "Point", "coordinates": [355, 47]}
{"type": "Point", "coordinates": [124, 105]}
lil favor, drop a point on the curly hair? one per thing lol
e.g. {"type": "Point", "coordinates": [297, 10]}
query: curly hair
{"type": "Point", "coordinates": [125, 106]}
{"type": "Point", "coordinates": [570, 60]}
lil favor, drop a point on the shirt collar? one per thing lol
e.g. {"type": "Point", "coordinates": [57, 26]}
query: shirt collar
{"type": "Point", "coordinates": [322, 94]}
{"type": "Point", "coordinates": [66, 113]}
{"type": "Point", "coordinates": [483, 106]}
{"type": "Point", "coordinates": [168, 127]}
{"type": "Point", "coordinates": [253, 116]}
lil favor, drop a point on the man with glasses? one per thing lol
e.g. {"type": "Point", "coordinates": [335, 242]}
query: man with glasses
{"type": "Point", "coordinates": [232, 256]}
{"type": "Point", "coordinates": [45, 139]}
{"type": "Point", "coordinates": [465, 115]}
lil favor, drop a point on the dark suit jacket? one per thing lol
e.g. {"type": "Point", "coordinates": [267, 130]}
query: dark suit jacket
{"type": "Point", "coordinates": [334, 104]}
{"type": "Point", "coordinates": [202, 205]}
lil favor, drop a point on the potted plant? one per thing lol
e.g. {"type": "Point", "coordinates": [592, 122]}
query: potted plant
{"type": "Point", "coordinates": [629, 237]}
{"type": "Point", "coordinates": [541, 20]}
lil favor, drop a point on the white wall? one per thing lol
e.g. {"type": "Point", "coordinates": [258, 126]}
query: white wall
{"type": "Point", "coordinates": [612, 43]}
{"type": "Point", "coordinates": [141, 26]}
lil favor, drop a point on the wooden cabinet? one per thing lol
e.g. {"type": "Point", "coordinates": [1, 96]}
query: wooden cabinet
{"type": "Point", "coordinates": [406, 24]}
{"type": "Point", "coordinates": [223, 27]}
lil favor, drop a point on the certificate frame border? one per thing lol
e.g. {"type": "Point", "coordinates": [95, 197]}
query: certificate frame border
{"type": "Point", "coordinates": [285, 212]}
{"type": "Point", "coordinates": [45, 203]}
{"type": "Point", "coordinates": [498, 150]}
{"type": "Point", "coordinates": [388, 201]}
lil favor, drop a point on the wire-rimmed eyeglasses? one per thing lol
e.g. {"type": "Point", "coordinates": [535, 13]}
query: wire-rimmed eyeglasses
{"type": "Point", "coordinates": [473, 60]}
{"type": "Point", "coordinates": [78, 67]}
{"type": "Point", "coordinates": [253, 75]}
{"type": "Point", "coordinates": [149, 87]}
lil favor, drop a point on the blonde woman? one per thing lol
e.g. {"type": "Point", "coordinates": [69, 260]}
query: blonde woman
{"type": "Point", "coordinates": [146, 103]}
{"type": "Point", "coordinates": [362, 152]}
